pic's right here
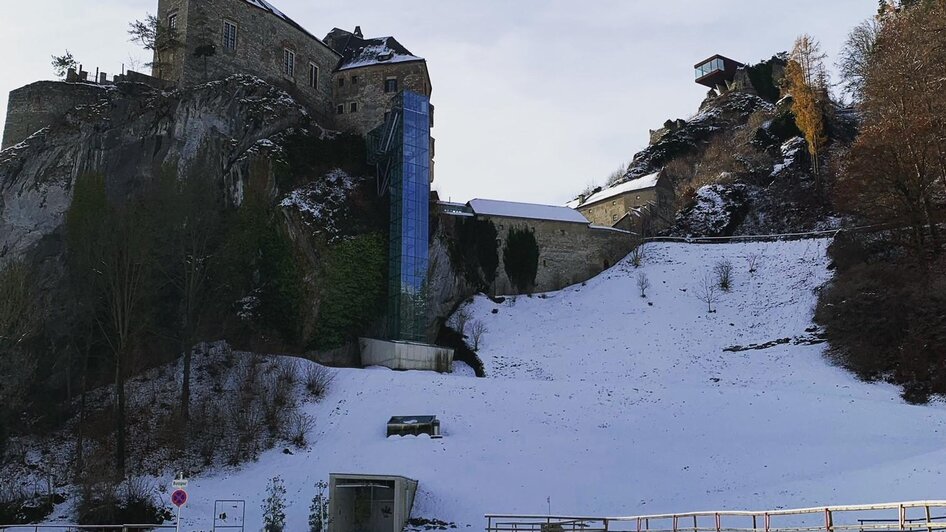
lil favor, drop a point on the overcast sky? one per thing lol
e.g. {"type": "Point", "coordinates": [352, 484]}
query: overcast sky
{"type": "Point", "coordinates": [535, 99]}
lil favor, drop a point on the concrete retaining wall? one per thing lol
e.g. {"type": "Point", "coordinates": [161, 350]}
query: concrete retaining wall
{"type": "Point", "coordinates": [405, 355]}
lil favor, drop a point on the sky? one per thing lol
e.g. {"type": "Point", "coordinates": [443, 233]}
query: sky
{"type": "Point", "coordinates": [535, 99]}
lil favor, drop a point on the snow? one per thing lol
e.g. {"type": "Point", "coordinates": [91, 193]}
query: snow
{"type": "Point", "coordinates": [263, 4]}
{"type": "Point", "coordinates": [641, 183]}
{"type": "Point", "coordinates": [612, 404]}
{"type": "Point", "coordinates": [372, 54]}
{"type": "Point", "coordinates": [532, 211]}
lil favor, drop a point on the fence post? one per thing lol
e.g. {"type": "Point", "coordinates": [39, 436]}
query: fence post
{"type": "Point", "coordinates": [718, 522]}
{"type": "Point", "coordinates": [768, 521]}
{"type": "Point", "coordinates": [674, 523]}
{"type": "Point", "coordinates": [754, 525]}
{"type": "Point", "coordinates": [828, 524]}
{"type": "Point", "coordinates": [903, 517]}
{"type": "Point", "coordinates": [695, 527]}
{"type": "Point", "coordinates": [929, 526]}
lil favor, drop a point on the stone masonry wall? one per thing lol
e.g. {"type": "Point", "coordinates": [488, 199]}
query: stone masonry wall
{"type": "Point", "coordinates": [609, 211]}
{"type": "Point", "coordinates": [569, 253]}
{"type": "Point", "coordinates": [262, 38]}
{"type": "Point", "coordinates": [41, 104]}
{"type": "Point", "coordinates": [365, 87]}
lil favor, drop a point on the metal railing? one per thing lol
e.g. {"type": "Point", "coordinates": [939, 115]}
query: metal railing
{"type": "Point", "coordinates": [861, 518]}
{"type": "Point", "coordinates": [73, 528]}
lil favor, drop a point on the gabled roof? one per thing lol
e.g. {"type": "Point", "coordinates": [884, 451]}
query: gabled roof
{"type": "Point", "coordinates": [359, 52]}
{"type": "Point", "coordinates": [532, 211]}
{"type": "Point", "coordinates": [641, 183]}
{"type": "Point", "coordinates": [270, 8]}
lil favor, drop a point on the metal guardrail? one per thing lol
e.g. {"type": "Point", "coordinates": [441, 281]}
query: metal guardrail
{"type": "Point", "coordinates": [860, 518]}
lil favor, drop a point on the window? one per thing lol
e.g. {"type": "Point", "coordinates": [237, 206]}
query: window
{"type": "Point", "coordinates": [340, 110]}
{"type": "Point", "coordinates": [354, 80]}
{"type": "Point", "coordinates": [229, 35]}
{"type": "Point", "coordinates": [353, 107]}
{"type": "Point", "coordinates": [313, 75]}
{"type": "Point", "coordinates": [341, 82]}
{"type": "Point", "coordinates": [390, 85]}
{"type": "Point", "coordinates": [289, 62]}
{"type": "Point", "coordinates": [172, 21]}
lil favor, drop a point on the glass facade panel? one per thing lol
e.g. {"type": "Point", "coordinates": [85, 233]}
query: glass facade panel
{"type": "Point", "coordinates": [709, 67]}
{"type": "Point", "coordinates": [401, 150]}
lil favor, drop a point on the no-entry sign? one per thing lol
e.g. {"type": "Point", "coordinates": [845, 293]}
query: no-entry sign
{"type": "Point", "coordinates": [179, 498]}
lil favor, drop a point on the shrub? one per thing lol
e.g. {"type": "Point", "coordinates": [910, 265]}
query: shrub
{"type": "Point", "coordinates": [317, 380]}
{"type": "Point", "coordinates": [274, 507]}
{"type": "Point", "coordinates": [521, 258]}
{"type": "Point", "coordinates": [723, 271]}
{"type": "Point", "coordinates": [318, 511]}
{"type": "Point", "coordinates": [298, 428]}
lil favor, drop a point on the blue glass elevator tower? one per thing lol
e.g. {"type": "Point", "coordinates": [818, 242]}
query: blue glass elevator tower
{"type": "Point", "coordinates": [400, 149]}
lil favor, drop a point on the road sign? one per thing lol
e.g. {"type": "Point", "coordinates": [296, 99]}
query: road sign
{"type": "Point", "coordinates": [179, 498]}
{"type": "Point", "coordinates": [180, 482]}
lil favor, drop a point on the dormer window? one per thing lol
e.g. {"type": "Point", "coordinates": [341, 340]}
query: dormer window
{"type": "Point", "coordinates": [386, 56]}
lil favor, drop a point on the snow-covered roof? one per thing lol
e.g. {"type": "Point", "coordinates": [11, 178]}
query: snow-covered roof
{"type": "Point", "coordinates": [266, 6]}
{"type": "Point", "coordinates": [367, 52]}
{"type": "Point", "coordinates": [641, 183]}
{"type": "Point", "coordinates": [532, 211]}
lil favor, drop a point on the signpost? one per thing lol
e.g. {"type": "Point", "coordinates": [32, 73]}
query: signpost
{"type": "Point", "coordinates": [179, 497]}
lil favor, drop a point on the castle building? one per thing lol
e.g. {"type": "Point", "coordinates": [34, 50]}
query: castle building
{"type": "Point", "coordinates": [347, 81]}
{"type": "Point", "coordinates": [640, 205]}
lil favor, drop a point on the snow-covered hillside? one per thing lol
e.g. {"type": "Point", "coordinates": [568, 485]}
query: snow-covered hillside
{"type": "Point", "coordinates": [608, 403]}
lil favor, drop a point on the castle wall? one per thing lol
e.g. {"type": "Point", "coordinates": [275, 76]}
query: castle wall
{"type": "Point", "coordinates": [365, 87]}
{"type": "Point", "coordinates": [569, 253]}
{"type": "Point", "coordinates": [261, 40]}
{"type": "Point", "coordinates": [43, 103]}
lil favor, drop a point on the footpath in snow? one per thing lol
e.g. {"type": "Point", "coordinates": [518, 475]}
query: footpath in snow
{"type": "Point", "coordinates": [606, 403]}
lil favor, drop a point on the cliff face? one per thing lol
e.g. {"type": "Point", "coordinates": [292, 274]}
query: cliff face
{"type": "Point", "coordinates": [130, 136]}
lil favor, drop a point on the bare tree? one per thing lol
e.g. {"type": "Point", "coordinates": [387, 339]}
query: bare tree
{"type": "Point", "coordinates": [111, 245]}
{"type": "Point", "coordinates": [752, 261]}
{"type": "Point", "coordinates": [637, 256]}
{"type": "Point", "coordinates": [477, 330]}
{"type": "Point", "coordinates": [460, 319]}
{"type": "Point", "coordinates": [854, 61]}
{"type": "Point", "coordinates": [723, 271]}
{"type": "Point", "coordinates": [643, 283]}
{"type": "Point", "coordinates": [707, 291]}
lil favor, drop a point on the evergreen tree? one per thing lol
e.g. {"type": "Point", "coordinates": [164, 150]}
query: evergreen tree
{"type": "Point", "coordinates": [521, 258]}
{"type": "Point", "coordinates": [62, 64]}
{"type": "Point", "coordinates": [274, 507]}
{"type": "Point", "coordinates": [318, 511]}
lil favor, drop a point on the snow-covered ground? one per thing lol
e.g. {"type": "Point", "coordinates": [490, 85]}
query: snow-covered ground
{"type": "Point", "coordinates": [607, 403]}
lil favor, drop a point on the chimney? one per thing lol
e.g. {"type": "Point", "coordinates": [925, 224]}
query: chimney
{"type": "Point", "coordinates": [358, 32]}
